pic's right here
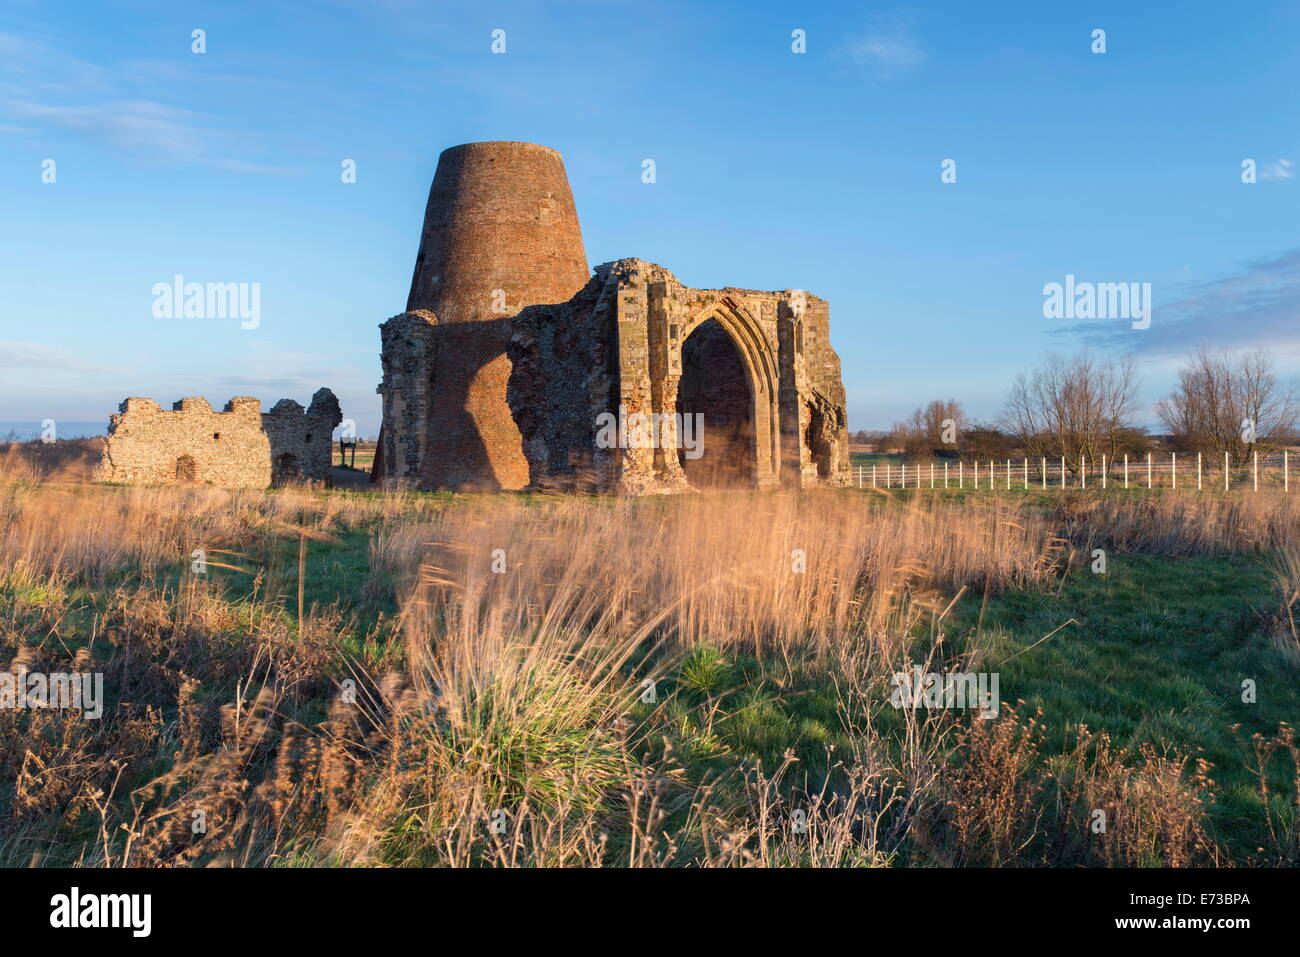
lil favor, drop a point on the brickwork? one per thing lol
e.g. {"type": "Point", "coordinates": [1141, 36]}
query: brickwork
{"type": "Point", "coordinates": [239, 447]}
{"type": "Point", "coordinates": [510, 355]}
{"type": "Point", "coordinates": [500, 233]}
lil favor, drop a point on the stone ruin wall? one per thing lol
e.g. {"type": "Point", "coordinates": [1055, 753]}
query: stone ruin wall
{"type": "Point", "coordinates": [235, 448]}
{"type": "Point", "coordinates": [408, 352]}
{"type": "Point", "coordinates": [620, 341]}
{"type": "Point", "coordinates": [564, 374]}
{"type": "Point", "coordinates": [301, 439]}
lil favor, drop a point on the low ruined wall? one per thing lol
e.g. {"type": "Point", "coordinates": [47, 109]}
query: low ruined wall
{"type": "Point", "coordinates": [235, 448]}
{"type": "Point", "coordinates": [300, 438]}
{"type": "Point", "coordinates": [189, 444]}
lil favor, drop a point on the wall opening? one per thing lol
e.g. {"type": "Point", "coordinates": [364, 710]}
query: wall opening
{"type": "Point", "coordinates": [187, 470]}
{"type": "Point", "coordinates": [286, 469]}
{"type": "Point", "coordinates": [714, 384]}
{"type": "Point", "coordinates": [819, 439]}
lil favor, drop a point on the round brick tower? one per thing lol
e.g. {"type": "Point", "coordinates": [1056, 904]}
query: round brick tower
{"type": "Point", "coordinates": [500, 233]}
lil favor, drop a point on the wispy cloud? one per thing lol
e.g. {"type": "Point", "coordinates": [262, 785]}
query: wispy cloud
{"type": "Point", "coordinates": [1258, 306]}
{"type": "Point", "coordinates": [24, 356]}
{"type": "Point", "coordinates": [1282, 169]}
{"type": "Point", "coordinates": [887, 48]}
{"type": "Point", "coordinates": [43, 89]}
{"type": "Point", "coordinates": [126, 125]}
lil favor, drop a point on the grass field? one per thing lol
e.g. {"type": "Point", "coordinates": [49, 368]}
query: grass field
{"type": "Point", "coordinates": [362, 460]}
{"type": "Point", "coordinates": [357, 677]}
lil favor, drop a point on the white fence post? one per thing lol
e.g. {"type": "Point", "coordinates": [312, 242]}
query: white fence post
{"type": "Point", "coordinates": [1148, 470]}
{"type": "Point", "coordinates": [1225, 471]}
{"type": "Point", "coordinates": [961, 474]}
{"type": "Point", "coordinates": [1103, 469]}
{"type": "Point", "coordinates": [1256, 469]}
{"type": "Point", "coordinates": [873, 476]}
{"type": "Point", "coordinates": [1173, 467]}
{"type": "Point", "coordinates": [1198, 471]}
{"type": "Point", "coordinates": [1286, 474]}
{"type": "Point", "coordinates": [945, 474]}
{"type": "Point", "coordinates": [1126, 470]}
{"type": "Point", "coordinates": [1083, 473]}
{"type": "Point", "coordinates": [1026, 474]}
{"type": "Point", "coordinates": [1008, 475]}
{"type": "Point", "coordinates": [1062, 471]}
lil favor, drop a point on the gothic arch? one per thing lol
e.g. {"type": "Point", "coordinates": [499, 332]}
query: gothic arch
{"type": "Point", "coordinates": [758, 357]}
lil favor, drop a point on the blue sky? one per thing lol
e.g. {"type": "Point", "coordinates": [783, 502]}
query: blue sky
{"type": "Point", "coordinates": [774, 170]}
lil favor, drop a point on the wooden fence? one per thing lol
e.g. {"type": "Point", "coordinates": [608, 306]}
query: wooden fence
{"type": "Point", "coordinates": [1187, 470]}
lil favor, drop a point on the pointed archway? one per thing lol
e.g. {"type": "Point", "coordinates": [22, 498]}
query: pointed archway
{"type": "Point", "coordinates": [734, 344]}
{"type": "Point", "coordinates": [716, 403]}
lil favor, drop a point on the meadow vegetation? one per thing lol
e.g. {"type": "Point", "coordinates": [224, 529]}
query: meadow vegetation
{"type": "Point", "coordinates": [405, 679]}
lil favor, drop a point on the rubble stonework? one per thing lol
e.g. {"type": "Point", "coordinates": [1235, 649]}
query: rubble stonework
{"type": "Point", "coordinates": [239, 447]}
{"type": "Point", "coordinates": [511, 358]}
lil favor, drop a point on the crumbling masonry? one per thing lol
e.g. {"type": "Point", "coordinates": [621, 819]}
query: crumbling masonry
{"type": "Point", "coordinates": [512, 360]}
{"type": "Point", "coordinates": [240, 447]}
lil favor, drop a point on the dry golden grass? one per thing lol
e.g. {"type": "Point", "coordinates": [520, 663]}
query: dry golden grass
{"type": "Point", "coordinates": [1183, 522]}
{"type": "Point", "coordinates": [501, 718]}
{"type": "Point", "coordinates": [1285, 566]}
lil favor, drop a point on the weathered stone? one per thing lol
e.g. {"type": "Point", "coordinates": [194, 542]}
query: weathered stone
{"type": "Point", "coordinates": [240, 447]}
{"type": "Point", "coordinates": [476, 396]}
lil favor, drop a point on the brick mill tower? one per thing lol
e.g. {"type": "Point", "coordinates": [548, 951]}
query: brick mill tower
{"type": "Point", "coordinates": [500, 233]}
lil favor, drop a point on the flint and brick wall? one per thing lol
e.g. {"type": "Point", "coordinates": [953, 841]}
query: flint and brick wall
{"type": "Point", "coordinates": [235, 448]}
{"type": "Point", "coordinates": [619, 344]}
{"type": "Point", "coordinates": [301, 444]}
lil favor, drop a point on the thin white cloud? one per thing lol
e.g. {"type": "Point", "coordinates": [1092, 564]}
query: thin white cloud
{"type": "Point", "coordinates": [44, 89]}
{"type": "Point", "coordinates": [25, 356]}
{"type": "Point", "coordinates": [1259, 306]}
{"type": "Point", "coordinates": [888, 49]}
{"type": "Point", "coordinates": [1282, 169]}
{"type": "Point", "coordinates": [125, 125]}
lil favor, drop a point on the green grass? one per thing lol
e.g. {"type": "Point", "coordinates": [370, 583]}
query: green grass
{"type": "Point", "coordinates": [868, 459]}
{"type": "Point", "coordinates": [1159, 655]}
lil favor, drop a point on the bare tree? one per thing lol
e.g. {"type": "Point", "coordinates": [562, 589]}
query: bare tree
{"type": "Point", "coordinates": [1077, 406]}
{"type": "Point", "coordinates": [930, 429]}
{"type": "Point", "coordinates": [1229, 402]}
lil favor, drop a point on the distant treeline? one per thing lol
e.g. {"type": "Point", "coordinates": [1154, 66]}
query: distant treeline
{"type": "Point", "coordinates": [1083, 405]}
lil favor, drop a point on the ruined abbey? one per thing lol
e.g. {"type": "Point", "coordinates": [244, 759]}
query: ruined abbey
{"type": "Point", "coordinates": [515, 367]}
{"type": "Point", "coordinates": [240, 447]}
